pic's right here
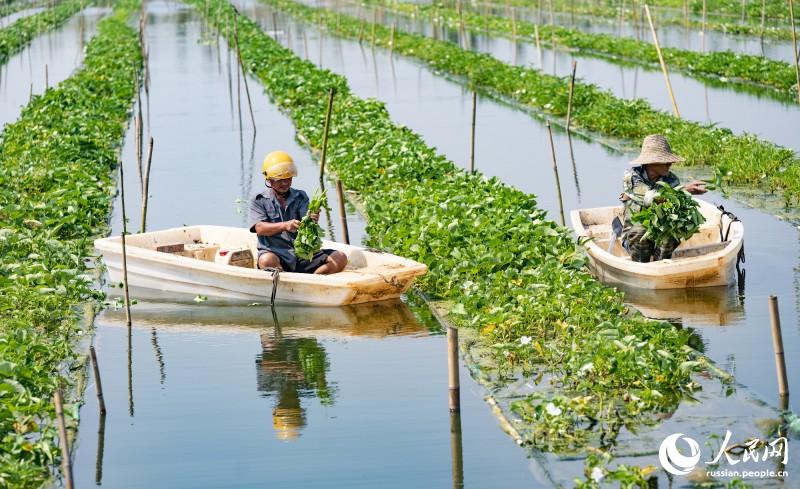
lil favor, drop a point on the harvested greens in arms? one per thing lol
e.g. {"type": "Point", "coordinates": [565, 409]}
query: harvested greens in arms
{"type": "Point", "coordinates": [673, 215]}
{"type": "Point", "coordinates": [309, 234]}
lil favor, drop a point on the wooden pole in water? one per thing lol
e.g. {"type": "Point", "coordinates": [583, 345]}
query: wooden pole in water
{"type": "Point", "coordinates": [124, 252]}
{"type": "Point", "coordinates": [66, 461]}
{"type": "Point", "coordinates": [794, 48]}
{"type": "Point", "coordinates": [472, 133]}
{"type": "Point", "coordinates": [569, 121]}
{"type": "Point", "coordinates": [342, 212]}
{"type": "Point", "coordinates": [452, 369]}
{"type": "Point", "coordinates": [555, 172]}
{"type": "Point", "coordinates": [661, 60]}
{"type": "Point", "coordinates": [777, 345]}
{"type": "Point", "coordinates": [146, 191]}
{"type": "Point", "coordinates": [763, 18]}
{"type": "Point", "coordinates": [326, 130]}
{"type": "Point", "coordinates": [241, 67]}
{"type": "Point", "coordinates": [96, 369]}
{"type": "Point", "coordinates": [101, 443]}
{"type": "Point", "coordinates": [456, 450]}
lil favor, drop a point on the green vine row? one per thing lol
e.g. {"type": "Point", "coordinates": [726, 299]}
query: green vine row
{"type": "Point", "coordinates": [16, 36]}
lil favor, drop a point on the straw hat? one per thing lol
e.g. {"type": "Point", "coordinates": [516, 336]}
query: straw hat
{"type": "Point", "coordinates": [655, 149]}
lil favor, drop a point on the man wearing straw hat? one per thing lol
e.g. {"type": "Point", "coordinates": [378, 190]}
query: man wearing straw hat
{"type": "Point", "coordinates": [640, 187]}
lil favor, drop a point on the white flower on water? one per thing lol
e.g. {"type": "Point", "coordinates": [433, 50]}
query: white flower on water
{"type": "Point", "coordinates": [552, 410]}
{"type": "Point", "coordinates": [525, 340]}
{"type": "Point", "coordinates": [597, 474]}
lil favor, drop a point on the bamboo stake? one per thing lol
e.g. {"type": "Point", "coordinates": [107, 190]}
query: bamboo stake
{"type": "Point", "coordinates": [326, 130]}
{"type": "Point", "coordinates": [794, 48]}
{"type": "Point", "coordinates": [744, 11]}
{"type": "Point", "coordinates": [241, 66]}
{"type": "Point", "coordinates": [454, 387]}
{"type": "Point", "coordinates": [472, 133]}
{"type": "Point", "coordinates": [146, 191]}
{"type": "Point", "coordinates": [342, 212]}
{"type": "Point", "coordinates": [391, 38]}
{"type": "Point", "coordinates": [96, 369]}
{"type": "Point", "coordinates": [274, 26]}
{"type": "Point", "coordinates": [569, 133]}
{"type": "Point", "coordinates": [374, 23]}
{"type": "Point", "coordinates": [703, 29]}
{"type": "Point", "coordinates": [66, 461]}
{"type": "Point", "coordinates": [661, 60]}
{"type": "Point", "coordinates": [555, 172]}
{"type": "Point", "coordinates": [46, 78]}
{"type": "Point", "coordinates": [777, 345]}
{"type": "Point", "coordinates": [763, 17]}
{"type": "Point", "coordinates": [124, 252]}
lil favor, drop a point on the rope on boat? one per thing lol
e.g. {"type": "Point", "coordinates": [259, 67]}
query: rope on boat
{"type": "Point", "coordinates": [740, 257]}
{"type": "Point", "coordinates": [276, 276]}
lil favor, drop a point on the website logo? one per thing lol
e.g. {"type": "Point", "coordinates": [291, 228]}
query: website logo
{"type": "Point", "coordinates": [674, 461]}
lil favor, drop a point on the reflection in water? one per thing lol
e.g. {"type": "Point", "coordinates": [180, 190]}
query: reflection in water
{"type": "Point", "coordinates": [720, 306]}
{"type": "Point", "coordinates": [101, 443]}
{"type": "Point", "coordinates": [456, 450]}
{"type": "Point", "coordinates": [159, 356]}
{"type": "Point", "coordinates": [130, 371]}
{"type": "Point", "coordinates": [290, 368]}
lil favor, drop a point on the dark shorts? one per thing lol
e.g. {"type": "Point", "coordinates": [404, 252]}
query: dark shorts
{"type": "Point", "coordinates": [307, 266]}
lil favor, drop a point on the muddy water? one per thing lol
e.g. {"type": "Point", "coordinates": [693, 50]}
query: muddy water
{"type": "Point", "coordinates": [234, 397]}
{"type": "Point", "coordinates": [61, 50]}
{"type": "Point", "coordinates": [668, 36]}
{"type": "Point", "coordinates": [775, 121]}
{"type": "Point", "coordinates": [514, 147]}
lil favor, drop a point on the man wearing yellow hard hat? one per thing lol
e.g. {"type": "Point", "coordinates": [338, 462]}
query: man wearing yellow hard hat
{"type": "Point", "coordinates": [275, 215]}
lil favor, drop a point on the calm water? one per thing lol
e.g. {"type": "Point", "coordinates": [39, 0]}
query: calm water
{"type": "Point", "coordinates": [61, 50]}
{"type": "Point", "coordinates": [228, 396]}
{"type": "Point", "coordinates": [773, 120]}
{"type": "Point", "coordinates": [514, 147]}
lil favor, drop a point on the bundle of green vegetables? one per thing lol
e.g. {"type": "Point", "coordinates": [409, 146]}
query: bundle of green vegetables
{"type": "Point", "coordinates": [674, 215]}
{"type": "Point", "coordinates": [309, 234]}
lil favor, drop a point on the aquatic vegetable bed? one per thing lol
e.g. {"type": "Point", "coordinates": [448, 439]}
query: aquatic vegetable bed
{"type": "Point", "coordinates": [731, 67]}
{"type": "Point", "coordinates": [719, 15]}
{"type": "Point", "coordinates": [744, 160]}
{"type": "Point", "coordinates": [56, 190]}
{"type": "Point", "coordinates": [517, 277]}
{"type": "Point", "coordinates": [20, 33]}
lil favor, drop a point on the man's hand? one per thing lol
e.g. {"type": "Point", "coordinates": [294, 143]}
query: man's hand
{"type": "Point", "coordinates": [291, 226]}
{"type": "Point", "coordinates": [696, 187]}
{"type": "Point", "coordinates": [314, 216]}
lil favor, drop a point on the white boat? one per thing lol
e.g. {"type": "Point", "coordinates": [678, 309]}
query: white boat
{"type": "Point", "coordinates": [707, 259]}
{"type": "Point", "coordinates": [218, 263]}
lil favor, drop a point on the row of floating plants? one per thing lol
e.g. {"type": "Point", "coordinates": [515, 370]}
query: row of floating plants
{"type": "Point", "coordinates": [16, 36]}
{"type": "Point", "coordinates": [717, 16]}
{"type": "Point", "coordinates": [56, 191]}
{"type": "Point", "coordinates": [14, 7]}
{"type": "Point", "coordinates": [511, 274]}
{"type": "Point", "coordinates": [739, 159]}
{"type": "Point", "coordinates": [717, 67]}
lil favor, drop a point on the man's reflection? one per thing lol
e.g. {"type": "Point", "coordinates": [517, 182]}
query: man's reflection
{"type": "Point", "coordinates": [292, 368]}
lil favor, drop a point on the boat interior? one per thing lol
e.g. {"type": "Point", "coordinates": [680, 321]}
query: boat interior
{"type": "Point", "coordinates": [597, 225]}
{"type": "Point", "coordinates": [237, 247]}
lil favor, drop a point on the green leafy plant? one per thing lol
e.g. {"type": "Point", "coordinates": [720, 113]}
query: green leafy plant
{"type": "Point", "coordinates": [16, 36]}
{"type": "Point", "coordinates": [309, 234]}
{"type": "Point", "coordinates": [56, 191]}
{"type": "Point", "coordinates": [673, 216]}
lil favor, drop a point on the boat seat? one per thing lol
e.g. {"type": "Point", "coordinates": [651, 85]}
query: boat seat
{"type": "Point", "coordinates": [693, 251]}
{"type": "Point", "coordinates": [198, 251]}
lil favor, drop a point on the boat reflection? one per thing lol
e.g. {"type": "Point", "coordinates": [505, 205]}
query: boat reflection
{"type": "Point", "coordinates": [703, 306]}
{"type": "Point", "coordinates": [372, 320]}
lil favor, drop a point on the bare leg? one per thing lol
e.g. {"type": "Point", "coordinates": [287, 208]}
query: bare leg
{"type": "Point", "coordinates": [335, 263]}
{"type": "Point", "coordinates": [269, 260]}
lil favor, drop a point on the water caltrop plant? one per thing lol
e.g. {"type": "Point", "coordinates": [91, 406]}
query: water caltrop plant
{"type": "Point", "coordinates": [509, 271]}
{"type": "Point", "coordinates": [56, 192]}
{"type": "Point", "coordinates": [20, 33]}
{"type": "Point", "coordinates": [309, 234]}
{"type": "Point", "coordinates": [673, 216]}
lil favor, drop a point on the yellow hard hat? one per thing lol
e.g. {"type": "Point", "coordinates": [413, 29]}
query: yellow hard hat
{"type": "Point", "coordinates": [278, 165]}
